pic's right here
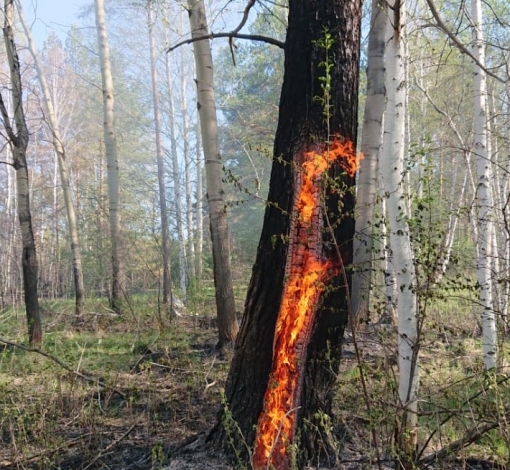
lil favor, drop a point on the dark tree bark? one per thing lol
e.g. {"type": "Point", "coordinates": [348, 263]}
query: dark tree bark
{"type": "Point", "coordinates": [302, 126]}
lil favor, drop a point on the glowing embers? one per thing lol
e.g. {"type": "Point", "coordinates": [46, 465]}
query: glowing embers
{"type": "Point", "coordinates": [306, 274]}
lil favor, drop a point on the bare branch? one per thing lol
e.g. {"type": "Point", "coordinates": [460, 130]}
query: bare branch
{"type": "Point", "coordinates": [443, 27]}
{"type": "Point", "coordinates": [245, 16]}
{"type": "Point", "coordinates": [471, 436]}
{"type": "Point", "coordinates": [251, 37]}
{"type": "Point", "coordinates": [87, 378]}
{"type": "Point", "coordinates": [112, 445]}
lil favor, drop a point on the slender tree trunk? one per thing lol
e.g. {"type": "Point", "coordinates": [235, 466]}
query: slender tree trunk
{"type": "Point", "coordinates": [367, 178]}
{"type": "Point", "coordinates": [64, 175]}
{"type": "Point", "coordinates": [176, 181]}
{"type": "Point", "coordinates": [18, 139]}
{"type": "Point", "coordinates": [190, 229]}
{"type": "Point", "coordinates": [225, 304]}
{"type": "Point", "coordinates": [112, 162]}
{"type": "Point", "coordinates": [189, 248]}
{"type": "Point", "coordinates": [165, 235]}
{"type": "Point", "coordinates": [290, 242]}
{"type": "Point", "coordinates": [176, 172]}
{"type": "Point", "coordinates": [392, 170]}
{"type": "Point", "coordinates": [199, 234]}
{"type": "Point", "coordinates": [484, 194]}
{"type": "Point", "coordinates": [445, 251]}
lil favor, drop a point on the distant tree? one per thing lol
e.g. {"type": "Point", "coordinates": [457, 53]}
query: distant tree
{"type": "Point", "coordinates": [58, 145]}
{"type": "Point", "coordinates": [112, 163]}
{"type": "Point", "coordinates": [225, 304]}
{"type": "Point", "coordinates": [18, 140]}
{"type": "Point", "coordinates": [160, 155]}
{"type": "Point", "coordinates": [248, 93]}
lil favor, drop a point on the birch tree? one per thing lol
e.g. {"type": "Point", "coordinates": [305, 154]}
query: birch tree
{"type": "Point", "coordinates": [484, 195]}
{"type": "Point", "coordinates": [165, 235]}
{"type": "Point", "coordinates": [58, 145]}
{"type": "Point", "coordinates": [392, 171]}
{"type": "Point", "coordinates": [225, 304]}
{"type": "Point", "coordinates": [18, 140]}
{"type": "Point", "coordinates": [367, 176]}
{"type": "Point", "coordinates": [112, 163]}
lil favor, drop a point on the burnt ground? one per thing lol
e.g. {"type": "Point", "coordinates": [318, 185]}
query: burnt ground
{"type": "Point", "coordinates": [156, 412]}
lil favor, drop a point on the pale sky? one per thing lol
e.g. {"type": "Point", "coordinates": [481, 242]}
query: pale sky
{"type": "Point", "coordinates": [52, 15]}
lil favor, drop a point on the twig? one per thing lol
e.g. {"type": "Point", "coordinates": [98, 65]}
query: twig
{"type": "Point", "coordinates": [233, 34]}
{"type": "Point", "coordinates": [280, 428]}
{"type": "Point", "coordinates": [364, 388]}
{"type": "Point", "coordinates": [471, 436]}
{"type": "Point", "coordinates": [67, 445]}
{"type": "Point", "coordinates": [452, 414]}
{"type": "Point", "coordinates": [442, 26]}
{"type": "Point", "coordinates": [55, 359]}
{"type": "Point", "coordinates": [112, 445]}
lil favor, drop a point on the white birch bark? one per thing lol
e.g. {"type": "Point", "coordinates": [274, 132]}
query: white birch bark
{"type": "Point", "coordinates": [367, 173]}
{"type": "Point", "coordinates": [165, 235]}
{"type": "Point", "coordinates": [58, 145]}
{"type": "Point", "coordinates": [392, 171]}
{"type": "Point", "coordinates": [225, 304]}
{"type": "Point", "coordinates": [484, 194]}
{"type": "Point", "coordinates": [389, 315]}
{"type": "Point", "coordinates": [112, 162]}
{"type": "Point", "coordinates": [500, 193]}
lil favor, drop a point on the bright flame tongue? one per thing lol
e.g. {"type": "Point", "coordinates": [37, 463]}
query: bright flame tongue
{"type": "Point", "coordinates": [306, 273]}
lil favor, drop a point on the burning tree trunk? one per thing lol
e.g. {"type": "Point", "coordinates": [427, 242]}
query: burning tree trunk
{"type": "Point", "coordinates": [283, 371]}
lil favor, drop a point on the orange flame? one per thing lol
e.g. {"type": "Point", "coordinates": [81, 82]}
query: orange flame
{"type": "Point", "coordinates": [306, 274]}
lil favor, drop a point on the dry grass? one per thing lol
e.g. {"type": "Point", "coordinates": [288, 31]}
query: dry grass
{"type": "Point", "coordinates": [137, 384]}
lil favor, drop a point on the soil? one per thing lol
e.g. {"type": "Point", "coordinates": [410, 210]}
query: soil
{"type": "Point", "coordinates": [158, 415]}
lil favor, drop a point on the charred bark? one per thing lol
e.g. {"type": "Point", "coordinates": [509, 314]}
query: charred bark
{"type": "Point", "coordinates": [301, 126]}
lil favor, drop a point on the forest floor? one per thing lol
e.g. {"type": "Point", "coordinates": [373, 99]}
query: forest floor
{"type": "Point", "coordinates": [138, 392]}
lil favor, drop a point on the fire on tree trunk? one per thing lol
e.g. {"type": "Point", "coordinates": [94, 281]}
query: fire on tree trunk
{"type": "Point", "coordinates": [291, 245]}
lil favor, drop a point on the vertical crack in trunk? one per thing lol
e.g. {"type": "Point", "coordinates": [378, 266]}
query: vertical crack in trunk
{"type": "Point", "coordinates": [307, 271]}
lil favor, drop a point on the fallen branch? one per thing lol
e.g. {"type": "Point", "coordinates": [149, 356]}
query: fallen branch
{"type": "Point", "coordinates": [111, 445]}
{"type": "Point", "coordinates": [21, 462]}
{"type": "Point", "coordinates": [86, 378]}
{"type": "Point", "coordinates": [471, 436]}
